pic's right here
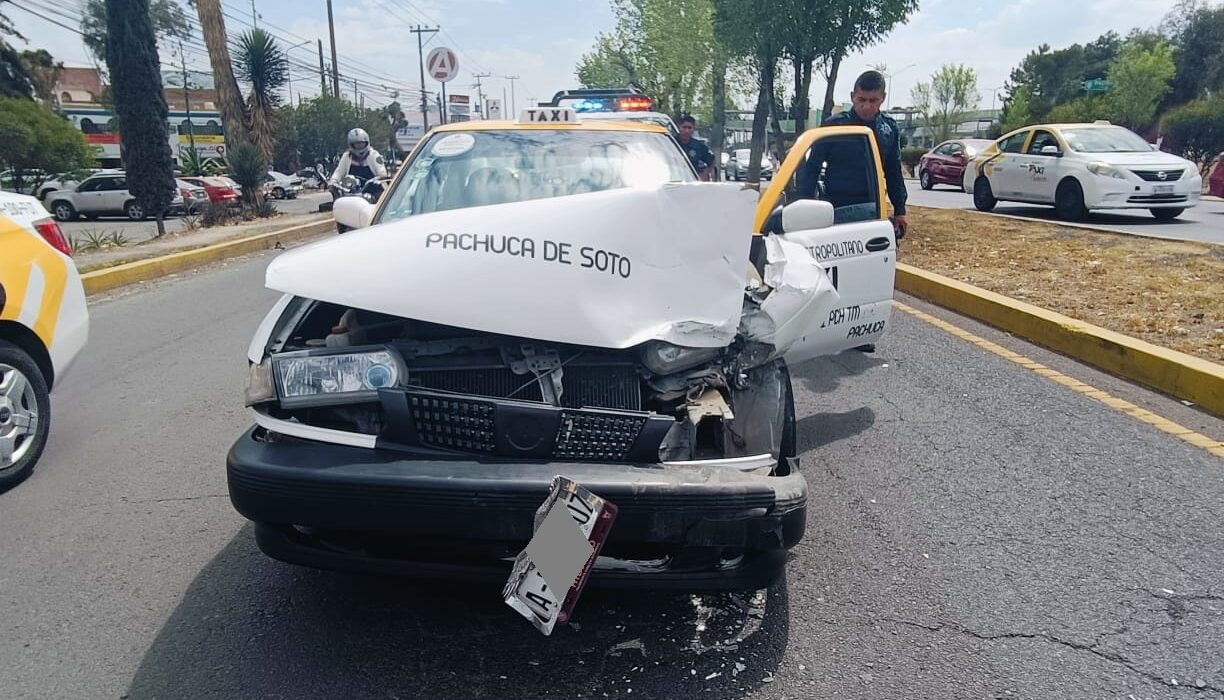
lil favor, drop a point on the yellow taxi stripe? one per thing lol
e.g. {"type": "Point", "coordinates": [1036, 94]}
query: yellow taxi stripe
{"type": "Point", "coordinates": [34, 278]}
{"type": "Point", "coordinates": [1215, 447]}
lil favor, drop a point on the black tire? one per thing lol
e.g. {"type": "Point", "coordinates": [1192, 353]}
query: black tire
{"type": "Point", "coordinates": [278, 193]}
{"type": "Point", "coordinates": [134, 211]}
{"type": "Point", "coordinates": [924, 179]}
{"type": "Point", "coordinates": [1069, 201]}
{"type": "Point", "coordinates": [1166, 214]}
{"type": "Point", "coordinates": [983, 195]}
{"type": "Point", "coordinates": [14, 359]}
{"type": "Point", "coordinates": [64, 211]}
{"type": "Point", "coordinates": [341, 228]}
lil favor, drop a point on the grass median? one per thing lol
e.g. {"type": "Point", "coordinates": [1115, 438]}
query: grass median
{"type": "Point", "coordinates": [1169, 293]}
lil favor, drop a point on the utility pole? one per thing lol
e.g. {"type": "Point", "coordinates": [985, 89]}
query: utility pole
{"type": "Point", "coordinates": [187, 99]}
{"type": "Point", "coordinates": [513, 104]}
{"type": "Point", "coordinates": [254, 17]}
{"type": "Point", "coordinates": [480, 100]}
{"type": "Point", "coordinates": [331, 28]}
{"type": "Point", "coordinates": [322, 70]}
{"type": "Point", "coordinates": [421, 32]}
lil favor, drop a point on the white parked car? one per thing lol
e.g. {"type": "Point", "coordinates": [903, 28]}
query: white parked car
{"type": "Point", "coordinates": [102, 195]}
{"type": "Point", "coordinates": [44, 325]}
{"type": "Point", "coordinates": [1080, 168]}
{"type": "Point", "coordinates": [282, 186]}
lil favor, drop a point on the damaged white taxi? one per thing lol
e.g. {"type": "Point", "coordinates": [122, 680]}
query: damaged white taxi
{"type": "Point", "coordinates": [550, 297]}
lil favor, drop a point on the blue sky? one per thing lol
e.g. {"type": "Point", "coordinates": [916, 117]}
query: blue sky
{"type": "Point", "coordinates": [542, 40]}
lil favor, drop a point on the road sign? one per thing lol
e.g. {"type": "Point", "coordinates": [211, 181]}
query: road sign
{"type": "Point", "coordinates": [442, 64]}
{"type": "Point", "coordinates": [1097, 85]}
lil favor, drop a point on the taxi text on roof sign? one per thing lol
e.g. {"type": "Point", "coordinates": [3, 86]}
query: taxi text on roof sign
{"type": "Point", "coordinates": [548, 115]}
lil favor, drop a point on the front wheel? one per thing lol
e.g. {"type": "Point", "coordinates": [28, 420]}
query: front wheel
{"type": "Point", "coordinates": [924, 179]}
{"type": "Point", "coordinates": [134, 211]}
{"type": "Point", "coordinates": [64, 211]}
{"type": "Point", "coordinates": [1069, 201]}
{"type": "Point", "coordinates": [983, 195]}
{"type": "Point", "coordinates": [25, 415]}
{"type": "Point", "coordinates": [1167, 214]}
{"type": "Point", "coordinates": [278, 193]}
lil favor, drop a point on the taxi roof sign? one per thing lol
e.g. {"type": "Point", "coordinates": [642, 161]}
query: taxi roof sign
{"type": "Point", "coordinates": [548, 115]}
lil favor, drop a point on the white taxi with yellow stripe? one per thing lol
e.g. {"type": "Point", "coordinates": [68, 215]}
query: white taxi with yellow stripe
{"type": "Point", "coordinates": [44, 325]}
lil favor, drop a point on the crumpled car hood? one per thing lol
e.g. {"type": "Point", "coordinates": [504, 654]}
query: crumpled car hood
{"type": "Point", "coordinates": [609, 269]}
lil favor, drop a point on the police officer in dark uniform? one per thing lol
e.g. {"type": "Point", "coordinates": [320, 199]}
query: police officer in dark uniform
{"type": "Point", "coordinates": [847, 170]}
{"type": "Point", "coordinates": [699, 153]}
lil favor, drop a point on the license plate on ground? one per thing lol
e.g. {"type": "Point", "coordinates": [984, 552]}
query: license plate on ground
{"type": "Point", "coordinates": [566, 556]}
{"type": "Point", "coordinates": [1163, 189]}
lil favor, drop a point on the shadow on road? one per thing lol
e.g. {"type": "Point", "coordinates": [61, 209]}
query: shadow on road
{"type": "Point", "coordinates": [250, 627]}
{"type": "Point", "coordinates": [823, 429]}
{"type": "Point", "coordinates": [823, 375]}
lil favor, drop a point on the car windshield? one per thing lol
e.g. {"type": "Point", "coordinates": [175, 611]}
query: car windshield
{"type": "Point", "coordinates": [1105, 140]}
{"type": "Point", "coordinates": [475, 168]}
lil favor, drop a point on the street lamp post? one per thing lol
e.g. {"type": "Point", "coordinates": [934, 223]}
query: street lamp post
{"type": "Point", "coordinates": [890, 80]}
{"type": "Point", "coordinates": [289, 70]}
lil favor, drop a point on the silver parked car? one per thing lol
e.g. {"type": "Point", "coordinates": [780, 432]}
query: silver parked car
{"type": "Point", "coordinates": [102, 195]}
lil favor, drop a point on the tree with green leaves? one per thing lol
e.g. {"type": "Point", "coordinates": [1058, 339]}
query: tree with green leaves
{"type": "Point", "coordinates": [44, 72]}
{"type": "Point", "coordinates": [665, 47]}
{"type": "Point", "coordinates": [749, 30]}
{"type": "Point", "coordinates": [1017, 112]}
{"type": "Point", "coordinates": [260, 62]}
{"type": "Point", "coordinates": [1197, 128]}
{"type": "Point", "coordinates": [15, 80]}
{"type": "Point", "coordinates": [34, 138]}
{"type": "Point", "coordinates": [1056, 77]}
{"type": "Point", "coordinates": [314, 132]}
{"type": "Point", "coordinates": [1196, 28]}
{"type": "Point", "coordinates": [1140, 79]}
{"type": "Point", "coordinates": [947, 99]}
{"type": "Point", "coordinates": [169, 22]}
{"type": "Point", "coordinates": [853, 25]}
{"type": "Point", "coordinates": [140, 104]}
{"type": "Point", "coordinates": [1081, 110]}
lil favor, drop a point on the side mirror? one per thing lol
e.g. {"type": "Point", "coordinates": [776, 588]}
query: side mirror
{"type": "Point", "coordinates": [1051, 151]}
{"type": "Point", "coordinates": [807, 215]}
{"type": "Point", "coordinates": [353, 212]}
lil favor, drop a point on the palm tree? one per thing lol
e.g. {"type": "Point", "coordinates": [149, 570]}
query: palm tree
{"type": "Point", "coordinates": [229, 96]}
{"type": "Point", "coordinates": [260, 62]}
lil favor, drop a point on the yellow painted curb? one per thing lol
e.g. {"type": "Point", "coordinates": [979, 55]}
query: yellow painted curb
{"type": "Point", "coordinates": [110, 278]}
{"type": "Point", "coordinates": [1175, 373]}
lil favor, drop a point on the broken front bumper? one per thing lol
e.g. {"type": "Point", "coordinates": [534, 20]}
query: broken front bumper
{"type": "Point", "coordinates": [377, 510]}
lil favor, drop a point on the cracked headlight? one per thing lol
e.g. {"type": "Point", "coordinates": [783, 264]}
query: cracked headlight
{"type": "Point", "coordinates": [664, 358]}
{"type": "Point", "coordinates": [1105, 170]}
{"type": "Point", "coordinates": [315, 377]}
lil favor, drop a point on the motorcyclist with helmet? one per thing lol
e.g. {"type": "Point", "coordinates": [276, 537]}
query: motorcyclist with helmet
{"type": "Point", "coordinates": [360, 160]}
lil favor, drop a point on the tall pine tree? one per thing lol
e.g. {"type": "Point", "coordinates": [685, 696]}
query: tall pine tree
{"type": "Point", "coordinates": [140, 104]}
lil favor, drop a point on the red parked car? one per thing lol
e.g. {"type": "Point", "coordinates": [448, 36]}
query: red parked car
{"type": "Point", "coordinates": [945, 164]}
{"type": "Point", "coordinates": [220, 191]}
{"type": "Point", "coordinates": [1215, 181]}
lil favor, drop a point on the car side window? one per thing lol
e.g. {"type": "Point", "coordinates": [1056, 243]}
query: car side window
{"type": "Point", "coordinates": [1015, 144]}
{"type": "Point", "coordinates": [839, 169]}
{"type": "Point", "coordinates": [117, 183]}
{"type": "Point", "coordinates": [90, 186]}
{"type": "Point", "coordinates": [1040, 140]}
{"type": "Point", "coordinates": [955, 149]}
{"type": "Point", "coordinates": [944, 150]}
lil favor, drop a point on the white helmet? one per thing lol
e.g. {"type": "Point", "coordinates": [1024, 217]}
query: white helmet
{"type": "Point", "coordinates": [356, 137]}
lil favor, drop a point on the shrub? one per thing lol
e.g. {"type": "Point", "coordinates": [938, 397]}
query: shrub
{"type": "Point", "coordinates": [248, 169]}
{"type": "Point", "coordinates": [911, 156]}
{"type": "Point", "coordinates": [216, 214]}
{"type": "Point", "coordinates": [1197, 128]}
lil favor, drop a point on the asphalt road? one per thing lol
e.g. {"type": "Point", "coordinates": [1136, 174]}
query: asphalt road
{"type": "Point", "coordinates": [136, 231]}
{"type": "Point", "coordinates": [1202, 223]}
{"type": "Point", "coordinates": [975, 531]}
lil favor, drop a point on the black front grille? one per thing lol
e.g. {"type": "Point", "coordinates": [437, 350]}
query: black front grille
{"type": "Point", "coordinates": [1155, 175]}
{"type": "Point", "coordinates": [455, 423]}
{"type": "Point", "coordinates": [613, 385]}
{"type": "Point", "coordinates": [1157, 199]}
{"type": "Point", "coordinates": [596, 436]}
{"type": "Point", "coordinates": [517, 429]}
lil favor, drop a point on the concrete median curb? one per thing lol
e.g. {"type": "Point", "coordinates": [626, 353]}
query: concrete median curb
{"type": "Point", "coordinates": [122, 275]}
{"type": "Point", "coordinates": [1174, 373]}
